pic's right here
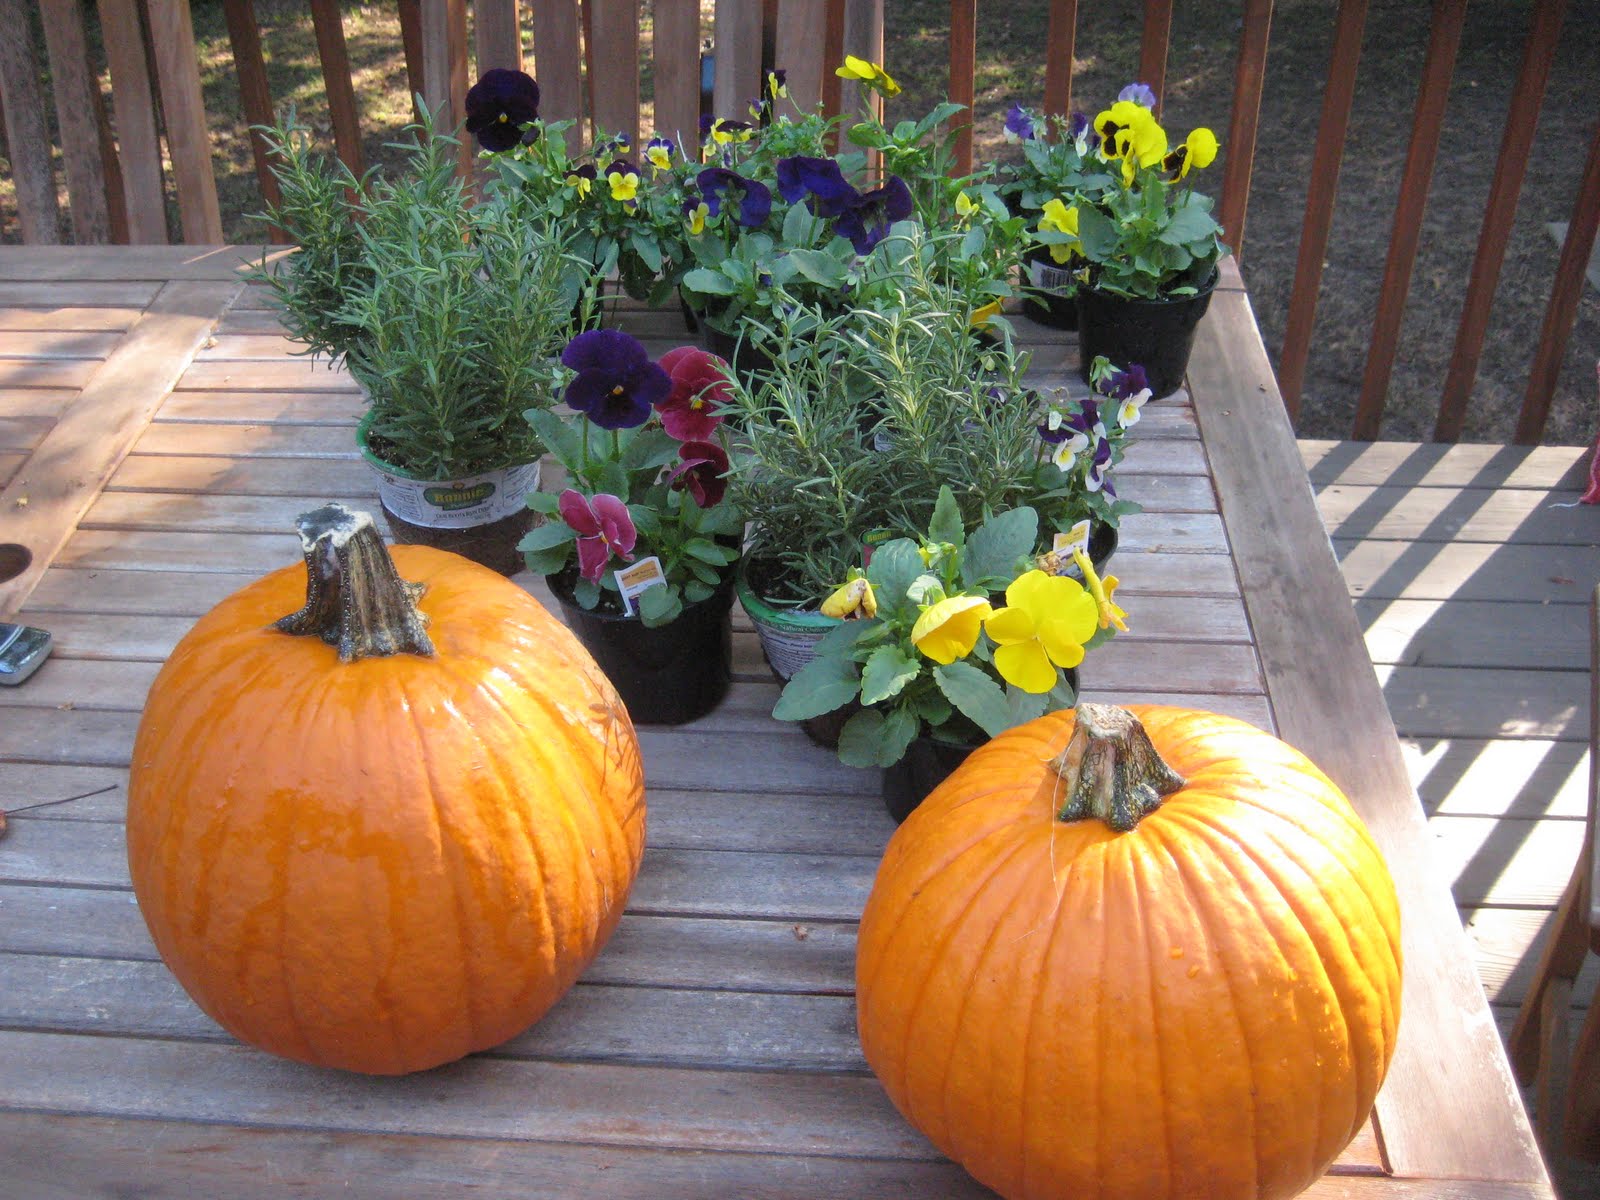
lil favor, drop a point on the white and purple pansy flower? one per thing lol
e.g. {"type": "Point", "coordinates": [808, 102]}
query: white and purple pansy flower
{"type": "Point", "coordinates": [1139, 93]}
{"type": "Point", "coordinates": [617, 386]}
{"type": "Point", "coordinates": [1020, 125]}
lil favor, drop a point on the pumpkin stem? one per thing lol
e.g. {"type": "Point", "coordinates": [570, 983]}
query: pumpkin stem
{"type": "Point", "coordinates": [1112, 769]}
{"type": "Point", "coordinates": [355, 599]}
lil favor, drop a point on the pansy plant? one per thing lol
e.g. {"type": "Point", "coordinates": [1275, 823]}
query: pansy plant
{"type": "Point", "coordinates": [646, 465]}
{"type": "Point", "coordinates": [1081, 440]}
{"type": "Point", "coordinates": [955, 634]}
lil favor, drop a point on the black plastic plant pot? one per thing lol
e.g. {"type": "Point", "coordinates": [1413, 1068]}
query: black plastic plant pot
{"type": "Point", "coordinates": [1156, 334]}
{"type": "Point", "coordinates": [1048, 295]}
{"type": "Point", "coordinates": [668, 675]}
{"type": "Point", "coordinates": [741, 354]}
{"type": "Point", "coordinates": [927, 763]}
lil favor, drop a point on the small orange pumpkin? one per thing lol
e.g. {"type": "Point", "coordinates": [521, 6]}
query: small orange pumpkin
{"type": "Point", "coordinates": [1194, 995]}
{"type": "Point", "coordinates": [376, 845]}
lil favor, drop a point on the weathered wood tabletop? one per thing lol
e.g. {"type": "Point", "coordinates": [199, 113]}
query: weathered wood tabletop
{"type": "Point", "coordinates": [156, 442]}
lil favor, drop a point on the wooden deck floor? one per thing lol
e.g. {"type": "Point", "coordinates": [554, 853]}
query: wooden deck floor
{"type": "Point", "coordinates": [1471, 582]}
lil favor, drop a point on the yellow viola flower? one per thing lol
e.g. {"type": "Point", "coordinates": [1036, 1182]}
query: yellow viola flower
{"type": "Point", "coordinates": [697, 218]}
{"type": "Point", "coordinates": [1199, 149]}
{"type": "Point", "coordinates": [966, 206]}
{"type": "Point", "coordinates": [949, 629]}
{"type": "Point", "coordinates": [874, 76]}
{"type": "Point", "coordinates": [1046, 621]}
{"type": "Point", "coordinates": [854, 598]}
{"type": "Point", "coordinates": [624, 185]}
{"type": "Point", "coordinates": [1058, 218]}
{"type": "Point", "coordinates": [982, 316]}
{"type": "Point", "coordinates": [581, 181]}
{"type": "Point", "coordinates": [1108, 612]}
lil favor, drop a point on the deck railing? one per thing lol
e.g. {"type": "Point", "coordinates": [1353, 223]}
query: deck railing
{"type": "Point", "coordinates": [587, 60]}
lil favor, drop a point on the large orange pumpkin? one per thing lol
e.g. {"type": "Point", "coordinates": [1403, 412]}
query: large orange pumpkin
{"type": "Point", "coordinates": [381, 841]}
{"type": "Point", "coordinates": [1078, 988]}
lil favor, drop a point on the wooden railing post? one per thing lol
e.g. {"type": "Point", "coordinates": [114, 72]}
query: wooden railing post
{"type": "Point", "coordinates": [27, 133]}
{"type": "Point", "coordinates": [614, 64]}
{"type": "Point", "coordinates": [496, 35]}
{"type": "Point", "coordinates": [80, 138]}
{"type": "Point", "coordinates": [963, 70]}
{"type": "Point", "coordinates": [1059, 40]}
{"type": "Point", "coordinates": [444, 69]}
{"type": "Point", "coordinates": [1337, 97]}
{"type": "Point", "coordinates": [183, 109]}
{"type": "Point", "coordinates": [337, 85]}
{"type": "Point", "coordinates": [1153, 48]}
{"type": "Point", "coordinates": [1444, 40]}
{"type": "Point", "coordinates": [1495, 233]}
{"type": "Point", "coordinates": [140, 149]}
{"type": "Point", "coordinates": [1240, 146]}
{"type": "Point", "coordinates": [1562, 310]}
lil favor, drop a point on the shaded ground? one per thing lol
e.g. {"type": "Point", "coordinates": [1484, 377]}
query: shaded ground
{"type": "Point", "coordinates": [1204, 41]}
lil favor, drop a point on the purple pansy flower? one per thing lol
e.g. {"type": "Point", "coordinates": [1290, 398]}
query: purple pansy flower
{"type": "Point", "coordinates": [1019, 125]}
{"type": "Point", "coordinates": [617, 385]}
{"type": "Point", "coordinates": [820, 179]}
{"type": "Point", "coordinates": [604, 527]}
{"type": "Point", "coordinates": [1100, 467]}
{"type": "Point", "coordinates": [719, 186]}
{"type": "Point", "coordinates": [1139, 93]}
{"type": "Point", "coordinates": [867, 221]}
{"type": "Point", "coordinates": [499, 105]}
{"type": "Point", "coordinates": [1124, 384]}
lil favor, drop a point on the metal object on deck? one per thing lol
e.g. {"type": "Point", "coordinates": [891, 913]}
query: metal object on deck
{"type": "Point", "coordinates": [22, 647]}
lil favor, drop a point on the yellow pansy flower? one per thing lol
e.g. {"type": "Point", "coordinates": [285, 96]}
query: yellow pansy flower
{"type": "Point", "coordinates": [966, 206]}
{"type": "Point", "coordinates": [1044, 625]}
{"type": "Point", "coordinates": [1199, 149]}
{"type": "Point", "coordinates": [874, 76]}
{"type": "Point", "coordinates": [1058, 218]}
{"type": "Point", "coordinates": [854, 598]}
{"type": "Point", "coordinates": [581, 181]}
{"type": "Point", "coordinates": [697, 218]}
{"type": "Point", "coordinates": [949, 629]}
{"type": "Point", "coordinates": [1108, 612]}
{"type": "Point", "coordinates": [624, 185]}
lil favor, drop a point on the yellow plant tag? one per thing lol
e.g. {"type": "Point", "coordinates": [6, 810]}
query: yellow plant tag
{"type": "Point", "coordinates": [1076, 538]}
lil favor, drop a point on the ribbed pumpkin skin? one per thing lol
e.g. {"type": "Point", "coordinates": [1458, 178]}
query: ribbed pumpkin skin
{"type": "Point", "coordinates": [387, 864]}
{"type": "Point", "coordinates": [1202, 1008]}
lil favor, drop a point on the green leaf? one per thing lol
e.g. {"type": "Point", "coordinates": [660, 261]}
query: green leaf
{"type": "Point", "coordinates": [586, 593]}
{"type": "Point", "coordinates": [709, 283]}
{"type": "Point", "coordinates": [548, 503]}
{"type": "Point", "coordinates": [646, 521]}
{"type": "Point", "coordinates": [822, 685]}
{"type": "Point", "coordinates": [710, 552]}
{"type": "Point", "coordinates": [893, 568]}
{"type": "Point", "coordinates": [648, 251]}
{"type": "Point", "coordinates": [841, 639]}
{"type": "Point", "coordinates": [1063, 695]}
{"type": "Point", "coordinates": [861, 738]}
{"type": "Point", "coordinates": [695, 591]}
{"type": "Point", "coordinates": [547, 562]}
{"type": "Point", "coordinates": [611, 478]}
{"type": "Point", "coordinates": [1025, 706]}
{"type": "Point", "coordinates": [980, 699]}
{"type": "Point", "coordinates": [799, 226]}
{"type": "Point", "coordinates": [995, 547]}
{"type": "Point", "coordinates": [1097, 233]}
{"type": "Point", "coordinates": [1188, 224]}
{"type": "Point", "coordinates": [886, 673]}
{"type": "Point", "coordinates": [898, 729]}
{"type": "Point", "coordinates": [820, 268]}
{"type": "Point", "coordinates": [546, 536]}
{"type": "Point", "coordinates": [946, 525]}
{"type": "Point", "coordinates": [658, 605]}
{"type": "Point", "coordinates": [564, 439]}
{"type": "Point", "coordinates": [650, 449]}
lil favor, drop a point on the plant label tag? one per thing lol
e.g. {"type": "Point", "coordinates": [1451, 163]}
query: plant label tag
{"type": "Point", "coordinates": [1076, 538]}
{"type": "Point", "coordinates": [637, 577]}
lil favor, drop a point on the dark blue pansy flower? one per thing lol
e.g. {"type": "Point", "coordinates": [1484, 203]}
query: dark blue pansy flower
{"type": "Point", "coordinates": [1123, 385]}
{"type": "Point", "coordinates": [617, 386]}
{"type": "Point", "coordinates": [820, 179]}
{"type": "Point", "coordinates": [867, 221]}
{"type": "Point", "coordinates": [748, 198]}
{"type": "Point", "coordinates": [706, 121]}
{"type": "Point", "coordinates": [499, 105]}
{"type": "Point", "coordinates": [1098, 477]}
{"type": "Point", "coordinates": [1019, 125]}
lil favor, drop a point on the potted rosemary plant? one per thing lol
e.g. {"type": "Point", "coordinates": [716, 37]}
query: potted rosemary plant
{"type": "Point", "coordinates": [448, 314]}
